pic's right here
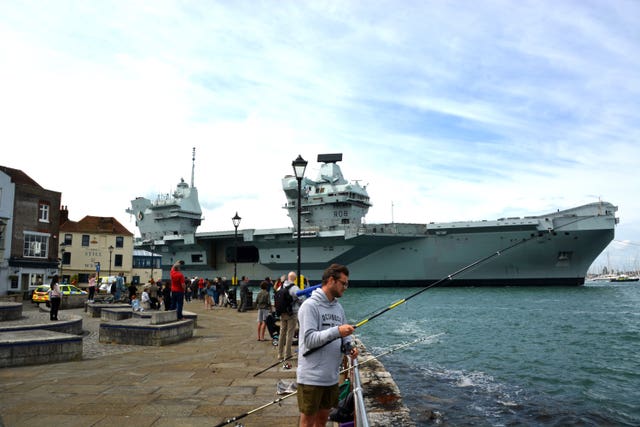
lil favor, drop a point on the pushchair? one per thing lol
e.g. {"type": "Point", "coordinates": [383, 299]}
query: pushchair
{"type": "Point", "coordinates": [273, 328]}
{"type": "Point", "coordinates": [231, 298]}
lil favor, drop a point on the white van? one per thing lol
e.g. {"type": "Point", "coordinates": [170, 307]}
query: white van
{"type": "Point", "coordinates": [104, 283]}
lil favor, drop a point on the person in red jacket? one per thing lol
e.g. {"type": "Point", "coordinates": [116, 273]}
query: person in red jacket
{"type": "Point", "coordinates": [177, 288]}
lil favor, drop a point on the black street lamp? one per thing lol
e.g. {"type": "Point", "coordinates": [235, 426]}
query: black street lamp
{"type": "Point", "coordinates": [152, 247]}
{"type": "Point", "coordinates": [236, 222]}
{"type": "Point", "coordinates": [110, 253]}
{"type": "Point", "coordinates": [63, 250]}
{"type": "Point", "coordinates": [299, 166]}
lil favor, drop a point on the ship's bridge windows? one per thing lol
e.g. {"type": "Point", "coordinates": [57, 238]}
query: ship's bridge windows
{"type": "Point", "coordinates": [195, 258]}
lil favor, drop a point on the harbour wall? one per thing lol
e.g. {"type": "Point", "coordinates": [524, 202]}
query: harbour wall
{"type": "Point", "coordinates": [382, 397]}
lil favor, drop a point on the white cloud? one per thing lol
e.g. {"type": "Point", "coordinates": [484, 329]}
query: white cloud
{"type": "Point", "coordinates": [449, 112]}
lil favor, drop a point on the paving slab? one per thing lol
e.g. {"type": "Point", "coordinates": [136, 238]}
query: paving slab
{"type": "Point", "coordinates": [198, 382]}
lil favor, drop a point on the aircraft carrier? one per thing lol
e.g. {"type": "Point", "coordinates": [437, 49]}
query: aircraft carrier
{"type": "Point", "coordinates": [553, 249]}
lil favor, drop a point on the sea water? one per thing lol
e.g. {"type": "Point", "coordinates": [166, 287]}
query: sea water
{"type": "Point", "coordinates": [535, 356]}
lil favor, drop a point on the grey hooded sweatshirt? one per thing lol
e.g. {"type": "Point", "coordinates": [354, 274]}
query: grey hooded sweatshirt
{"type": "Point", "coordinates": [319, 320]}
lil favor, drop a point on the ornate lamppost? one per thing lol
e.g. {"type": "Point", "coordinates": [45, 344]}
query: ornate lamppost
{"type": "Point", "coordinates": [110, 253]}
{"type": "Point", "coordinates": [236, 222]}
{"type": "Point", "coordinates": [299, 166]}
{"type": "Point", "coordinates": [63, 250]}
{"type": "Point", "coordinates": [153, 261]}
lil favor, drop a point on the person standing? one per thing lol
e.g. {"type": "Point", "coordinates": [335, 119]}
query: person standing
{"type": "Point", "coordinates": [263, 304]}
{"type": "Point", "coordinates": [201, 289]}
{"type": "Point", "coordinates": [244, 294]}
{"type": "Point", "coordinates": [278, 284]}
{"type": "Point", "coordinates": [188, 287]}
{"type": "Point", "coordinates": [177, 288]}
{"type": "Point", "coordinates": [55, 298]}
{"type": "Point", "coordinates": [153, 295]}
{"type": "Point", "coordinates": [216, 293]}
{"type": "Point", "coordinates": [324, 336]}
{"type": "Point", "coordinates": [133, 290]}
{"type": "Point", "coordinates": [92, 286]}
{"type": "Point", "coordinates": [166, 295]}
{"type": "Point", "coordinates": [119, 287]}
{"type": "Point", "coordinates": [288, 321]}
{"type": "Point", "coordinates": [208, 297]}
{"type": "Point", "coordinates": [269, 284]}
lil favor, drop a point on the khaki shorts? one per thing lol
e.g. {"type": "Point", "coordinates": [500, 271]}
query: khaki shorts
{"type": "Point", "coordinates": [312, 398]}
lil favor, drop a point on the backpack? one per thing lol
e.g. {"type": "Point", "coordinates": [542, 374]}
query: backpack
{"type": "Point", "coordinates": [343, 413]}
{"type": "Point", "coordinates": [283, 300]}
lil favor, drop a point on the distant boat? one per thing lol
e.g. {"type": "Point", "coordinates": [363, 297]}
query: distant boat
{"type": "Point", "coordinates": [624, 278]}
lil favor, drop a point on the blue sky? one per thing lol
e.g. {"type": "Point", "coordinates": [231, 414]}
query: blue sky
{"type": "Point", "coordinates": [448, 110]}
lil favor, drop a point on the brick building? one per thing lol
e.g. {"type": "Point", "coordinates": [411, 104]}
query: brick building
{"type": "Point", "coordinates": [29, 228]}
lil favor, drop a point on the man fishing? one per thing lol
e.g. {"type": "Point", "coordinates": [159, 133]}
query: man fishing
{"type": "Point", "coordinates": [322, 321]}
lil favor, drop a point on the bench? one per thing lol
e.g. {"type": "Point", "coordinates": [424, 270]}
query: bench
{"type": "Point", "coordinates": [95, 309]}
{"type": "Point", "coordinates": [38, 346]}
{"type": "Point", "coordinates": [162, 317]}
{"type": "Point", "coordinates": [10, 311]}
{"type": "Point", "coordinates": [139, 331]}
{"type": "Point", "coordinates": [115, 313]}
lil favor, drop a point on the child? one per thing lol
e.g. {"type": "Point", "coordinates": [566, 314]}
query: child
{"type": "Point", "coordinates": [135, 304]}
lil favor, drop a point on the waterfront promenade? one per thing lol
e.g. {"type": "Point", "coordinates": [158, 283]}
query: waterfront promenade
{"type": "Point", "coordinates": [199, 382]}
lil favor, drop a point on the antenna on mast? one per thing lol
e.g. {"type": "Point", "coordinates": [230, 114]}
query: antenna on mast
{"type": "Point", "coordinates": [193, 166]}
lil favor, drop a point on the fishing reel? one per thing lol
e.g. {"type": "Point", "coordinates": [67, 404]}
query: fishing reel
{"type": "Point", "coordinates": [347, 347]}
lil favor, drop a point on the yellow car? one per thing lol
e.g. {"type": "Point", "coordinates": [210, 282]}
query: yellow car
{"type": "Point", "coordinates": [41, 293]}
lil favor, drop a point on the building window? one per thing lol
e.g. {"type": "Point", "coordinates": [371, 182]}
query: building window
{"type": "Point", "coordinates": [119, 242]}
{"type": "Point", "coordinates": [196, 257]}
{"type": "Point", "coordinates": [118, 260]}
{"type": "Point", "coordinates": [35, 280]}
{"type": "Point", "coordinates": [68, 239]}
{"type": "Point", "coordinates": [85, 240]}
{"type": "Point", "coordinates": [43, 212]}
{"type": "Point", "coordinates": [66, 258]}
{"type": "Point", "coordinates": [35, 245]}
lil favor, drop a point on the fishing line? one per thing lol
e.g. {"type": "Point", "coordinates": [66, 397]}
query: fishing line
{"type": "Point", "coordinates": [449, 277]}
{"type": "Point", "coordinates": [280, 399]}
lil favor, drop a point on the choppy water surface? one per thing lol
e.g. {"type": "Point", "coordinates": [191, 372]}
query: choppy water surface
{"type": "Point", "coordinates": [511, 356]}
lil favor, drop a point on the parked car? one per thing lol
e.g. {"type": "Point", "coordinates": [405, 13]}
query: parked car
{"type": "Point", "coordinates": [41, 293]}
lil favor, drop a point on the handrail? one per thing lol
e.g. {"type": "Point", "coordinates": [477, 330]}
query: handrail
{"type": "Point", "coordinates": [360, 410]}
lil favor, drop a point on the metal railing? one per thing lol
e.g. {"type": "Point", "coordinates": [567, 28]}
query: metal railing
{"type": "Point", "coordinates": [358, 397]}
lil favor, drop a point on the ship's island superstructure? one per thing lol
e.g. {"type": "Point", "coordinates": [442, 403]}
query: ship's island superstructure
{"type": "Point", "coordinates": [557, 248]}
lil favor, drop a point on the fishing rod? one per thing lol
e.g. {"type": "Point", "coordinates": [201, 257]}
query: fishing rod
{"type": "Point", "coordinates": [448, 278]}
{"type": "Point", "coordinates": [274, 365]}
{"type": "Point", "coordinates": [306, 293]}
{"type": "Point", "coordinates": [280, 399]}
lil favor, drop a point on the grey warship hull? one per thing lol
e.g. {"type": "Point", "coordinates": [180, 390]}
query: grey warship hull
{"type": "Point", "coordinates": [546, 250]}
{"type": "Point", "coordinates": [418, 255]}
